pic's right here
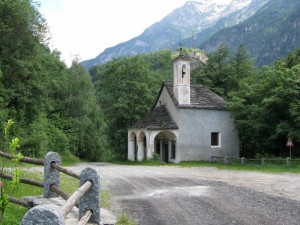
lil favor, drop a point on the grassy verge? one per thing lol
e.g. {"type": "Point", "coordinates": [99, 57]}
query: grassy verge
{"type": "Point", "coordinates": [125, 219]}
{"type": "Point", "coordinates": [139, 163]}
{"type": "Point", "coordinates": [268, 167]}
{"type": "Point", "coordinates": [69, 159]}
{"type": "Point", "coordinates": [14, 213]}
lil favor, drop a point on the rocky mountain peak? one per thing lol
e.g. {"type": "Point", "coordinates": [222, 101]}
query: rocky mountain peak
{"type": "Point", "coordinates": [184, 22]}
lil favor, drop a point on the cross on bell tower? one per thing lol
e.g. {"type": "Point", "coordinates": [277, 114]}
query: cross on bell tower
{"type": "Point", "coordinates": [181, 79]}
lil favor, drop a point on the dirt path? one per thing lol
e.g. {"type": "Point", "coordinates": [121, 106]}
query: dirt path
{"type": "Point", "coordinates": [171, 195]}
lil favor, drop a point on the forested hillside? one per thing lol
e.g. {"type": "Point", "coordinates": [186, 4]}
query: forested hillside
{"type": "Point", "coordinates": [265, 103]}
{"type": "Point", "coordinates": [54, 108]}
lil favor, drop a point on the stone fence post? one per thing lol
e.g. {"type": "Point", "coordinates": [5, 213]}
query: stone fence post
{"type": "Point", "coordinates": [288, 161]}
{"type": "Point", "coordinates": [91, 199]}
{"type": "Point", "coordinates": [43, 215]}
{"type": "Point", "coordinates": [243, 160]}
{"type": "Point", "coordinates": [51, 175]}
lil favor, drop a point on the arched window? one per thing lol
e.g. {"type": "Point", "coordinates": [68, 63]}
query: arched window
{"type": "Point", "coordinates": [184, 73]}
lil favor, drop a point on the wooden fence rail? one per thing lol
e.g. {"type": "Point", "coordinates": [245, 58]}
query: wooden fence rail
{"type": "Point", "coordinates": [23, 181]}
{"type": "Point", "coordinates": [244, 161]}
{"type": "Point", "coordinates": [86, 197]}
{"type": "Point", "coordinates": [24, 159]}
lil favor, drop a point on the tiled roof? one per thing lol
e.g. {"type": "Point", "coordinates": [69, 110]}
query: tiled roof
{"type": "Point", "coordinates": [201, 98]}
{"type": "Point", "coordinates": [158, 119]}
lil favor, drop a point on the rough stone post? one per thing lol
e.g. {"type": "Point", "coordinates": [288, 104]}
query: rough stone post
{"type": "Point", "coordinates": [43, 215]}
{"type": "Point", "coordinates": [51, 175]}
{"type": "Point", "coordinates": [288, 161]}
{"type": "Point", "coordinates": [243, 160]}
{"type": "Point", "coordinates": [91, 199]}
{"type": "Point", "coordinates": [263, 161]}
{"type": "Point", "coordinates": [225, 159]}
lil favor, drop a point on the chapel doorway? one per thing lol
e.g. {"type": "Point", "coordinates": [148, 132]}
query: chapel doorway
{"type": "Point", "coordinates": [165, 155]}
{"type": "Point", "coordinates": [165, 143]}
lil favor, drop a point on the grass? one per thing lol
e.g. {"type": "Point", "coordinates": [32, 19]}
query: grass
{"type": "Point", "coordinates": [125, 219]}
{"type": "Point", "coordinates": [269, 167]}
{"type": "Point", "coordinates": [139, 163]}
{"type": "Point", "coordinates": [14, 213]}
{"type": "Point", "coordinates": [69, 159]}
{"type": "Point", "coordinates": [105, 197]}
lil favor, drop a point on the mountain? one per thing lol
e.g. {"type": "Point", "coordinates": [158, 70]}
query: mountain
{"type": "Point", "coordinates": [232, 19]}
{"type": "Point", "coordinates": [193, 17]}
{"type": "Point", "coordinates": [270, 34]}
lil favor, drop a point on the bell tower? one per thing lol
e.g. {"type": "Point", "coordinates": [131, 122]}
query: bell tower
{"type": "Point", "coordinates": [181, 87]}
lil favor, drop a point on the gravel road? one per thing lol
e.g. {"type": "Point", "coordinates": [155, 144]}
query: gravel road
{"type": "Point", "coordinates": [168, 195]}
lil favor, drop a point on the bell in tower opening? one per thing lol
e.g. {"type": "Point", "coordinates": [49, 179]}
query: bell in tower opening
{"type": "Point", "coordinates": [181, 86]}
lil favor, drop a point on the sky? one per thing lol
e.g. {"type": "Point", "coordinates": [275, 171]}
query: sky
{"type": "Point", "coordinates": [85, 28]}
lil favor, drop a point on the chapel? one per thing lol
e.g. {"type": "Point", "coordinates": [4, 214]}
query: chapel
{"type": "Point", "coordinates": [187, 123]}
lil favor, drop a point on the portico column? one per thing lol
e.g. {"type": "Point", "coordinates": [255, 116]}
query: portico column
{"type": "Point", "coordinates": [140, 150]}
{"type": "Point", "coordinates": [131, 150]}
{"type": "Point", "coordinates": [150, 147]}
{"type": "Point", "coordinates": [170, 149]}
{"type": "Point", "coordinates": [161, 149]}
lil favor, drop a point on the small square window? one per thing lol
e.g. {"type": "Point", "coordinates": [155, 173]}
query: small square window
{"type": "Point", "coordinates": [215, 139]}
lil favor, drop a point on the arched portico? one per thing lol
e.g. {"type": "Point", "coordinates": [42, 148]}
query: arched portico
{"type": "Point", "coordinates": [166, 146]}
{"type": "Point", "coordinates": [138, 145]}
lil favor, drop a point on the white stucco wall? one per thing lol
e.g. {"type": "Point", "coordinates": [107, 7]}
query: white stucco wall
{"type": "Point", "coordinates": [195, 134]}
{"type": "Point", "coordinates": [165, 99]}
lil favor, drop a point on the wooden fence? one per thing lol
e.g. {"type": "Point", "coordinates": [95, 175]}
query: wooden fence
{"type": "Point", "coordinates": [247, 161]}
{"type": "Point", "coordinates": [86, 197]}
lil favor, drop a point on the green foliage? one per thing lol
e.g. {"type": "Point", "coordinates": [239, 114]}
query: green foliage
{"type": "Point", "coordinates": [222, 71]}
{"type": "Point", "coordinates": [11, 147]}
{"type": "Point", "coordinates": [156, 157]}
{"type": "Point", "coordinates": [266, 108]}
{"type": "Point", "coordinates": [43, 137]}
{"type": "Point", "coordinates": [86, 120]}
{"type": "Point", "coordinates": [126, 90]}
{"type": "Point", "coordinates": [69, 159]}
{"type": "Point", "coordinates": [54, 107]}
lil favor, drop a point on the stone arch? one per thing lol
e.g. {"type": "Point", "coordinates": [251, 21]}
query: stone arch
{"type": "Point", "coordinates": [165, 145]}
